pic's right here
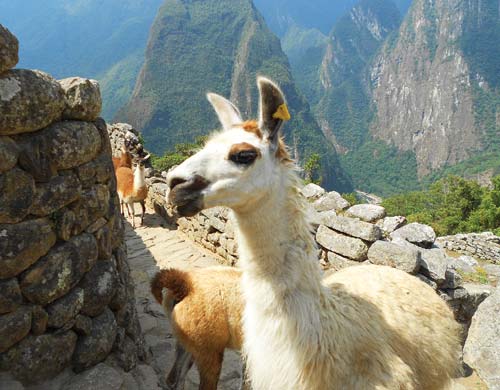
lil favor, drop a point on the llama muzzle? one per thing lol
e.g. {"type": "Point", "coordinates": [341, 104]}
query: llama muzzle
{"type": "Point", "coordinates": [186, 195]}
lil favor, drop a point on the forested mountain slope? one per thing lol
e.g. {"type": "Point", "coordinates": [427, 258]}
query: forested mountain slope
{"type": "Point", "coordinates": [219, 46]}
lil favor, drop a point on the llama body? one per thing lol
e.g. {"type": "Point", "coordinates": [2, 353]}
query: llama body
{"type": "Point", "coordinates": [367, 327]}
{"type": "Point", "coordinates": [361, 328]}
{"type": "Point", "coordinates": [205, 307]}
{"type": "Point", "coordinates": [125, 159]}
{"type": "Point", "coordinates": [132, 188]}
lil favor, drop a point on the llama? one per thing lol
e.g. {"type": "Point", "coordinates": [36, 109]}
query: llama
{"type": "Point", "coordinates": [132, 188]}
{"type": "Point", "coordinates": [204, 307]}
{"type": "Point", "coordinates": [125, 159]}
{"type": "Point", "coordinates": [365, 327]}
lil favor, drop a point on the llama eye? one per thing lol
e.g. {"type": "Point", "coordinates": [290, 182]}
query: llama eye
{"type": "Point", "coordinates": [244, 157]}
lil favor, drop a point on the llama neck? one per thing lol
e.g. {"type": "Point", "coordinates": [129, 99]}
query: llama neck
{"type": "Point", "coordinates": [139, 179]}
{"type": "Point", "coordinates": [283, 318]}
{"type": "Point", "coordinates": [277, 249]}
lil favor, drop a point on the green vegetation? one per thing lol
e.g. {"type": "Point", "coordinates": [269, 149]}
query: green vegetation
{"type": "Point", "coordinates": [431, 28]}
{"type": "Point", "coordinates": [451, 205]}
{"type": "Point", "coordinates": [180, 153]}
{"type": "Point", "coordinates": [381, 169]}
{"type": "Point", "coordinates": [479, 42]}
{"type": "Point", "coordinates": [480, 275]}
{"type": "Point", "coordinates": [312, 169]}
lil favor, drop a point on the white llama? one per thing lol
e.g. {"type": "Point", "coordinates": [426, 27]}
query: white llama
{"type": "Point", "coordinates": [366, 327]}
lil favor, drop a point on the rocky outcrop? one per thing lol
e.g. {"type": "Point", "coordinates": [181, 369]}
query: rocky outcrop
{"type": "Point", "coordinates": [83, 98]}
{"type": "Point", "coordinates": [482, 349]}
{"type": "Point", "coordinates": [62, 255]}
{"type": "Point", "coordinates": [29, 101]}
{"type": "Point", "coordinates": [422, 87]}
{"type": "Point", "coordinates": [9, 47]}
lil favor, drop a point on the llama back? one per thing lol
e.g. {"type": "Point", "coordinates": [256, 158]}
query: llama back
{"type": "Point", "coordinates": [407, 311]}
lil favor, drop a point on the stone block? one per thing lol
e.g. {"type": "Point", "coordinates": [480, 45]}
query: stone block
{"type": "Point", "coordinates": [395, 255]}
{"type": "Point", "coordinates": [55, 194]}
{"type": "Point", "coordinates": [22, 244]}
{"type": "Point", "coordinates": [95, 347]}
{"type": "Point", "coordinates": [331, 201]}
{"type": "Point", "coordinates": [74, 143]}
{"type": "Point", "coordinates": [350, 247]}
{"type": "Point", "coordinates": [482, 348]}
{"type": "Point", "coordinates": [350, 226]}
{"type": "Point", "coordinates": [433, 264]}
{"type": "Point", "coordinates": [337, 262]}
{"type": "Point", "coordinates": [312, 191]}
{"type": "Point", "coordinates": [366, 212]}
{"type": "Point", "coordinates": [60, 270]}
{"type": "Point", "coordinates": [64, 309]}
{"type": "Point", "coordinates": [416, 233]}
{"type": "Point", "coordinates": [10, 295]}
{"type": "Point", "coordinates": [29, 101]}
{"type": "Point", "coordinates": [100, 377]}
{"type": "Point", "coordinates": [17, 190]}
{"type": "Point", "coordinates": [83, 98]}
{"type": "Point", "coordinates": [38, 358]}
{"type": "Point", "coordinates": [389, 224]}
{"type": "Point", "coordinates": [99, 286]}
{"type": "Point", "coordinates": [8, 152]}
{"type": "Point", "coordinates": [14, 327]}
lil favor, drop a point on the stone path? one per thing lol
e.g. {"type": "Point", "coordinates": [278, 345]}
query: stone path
{"type": "Point", "coordinates": [154, 246]}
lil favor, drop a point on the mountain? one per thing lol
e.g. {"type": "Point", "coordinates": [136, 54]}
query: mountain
{"type": "Point", "coordinates": [219, 46]}
{"type": "Point", "coordinates": [321, 15]}
{"type": "Point", "coordinates": [104, 40]}
{"type": "Point", "coordinates": [405, 104]}
{"type": "Point", "coordinates": [343, 108]}
{"type": "Point", "coordinates": [317, 14]}
{"type": "Point", "coordinates": [436, 85]}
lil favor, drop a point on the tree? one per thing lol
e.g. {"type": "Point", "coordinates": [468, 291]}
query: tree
{"type": "Point", "coordinates": [312, 169]}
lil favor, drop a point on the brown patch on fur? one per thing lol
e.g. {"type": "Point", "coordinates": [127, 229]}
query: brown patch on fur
{"type": "Point", "coordinates": [124, 161]}
{"type": "Point", "coordinates": [142, 193]}
{"type": "Point", "coordinates": [251, 126]}
{"type": "Point", "coordinates": [241, 147]}
{"type": "Point", "coordinates": [175, 280]}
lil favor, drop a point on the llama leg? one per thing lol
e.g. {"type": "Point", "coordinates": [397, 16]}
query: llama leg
{"type": "Point", "coordinates": [133, 214]}
{"type": "Point", "coordinates": [143, 211]}
{"type": "Point", "coordinates": [209, 365]}
{"type": "Point", "coordinates": [177, 375]}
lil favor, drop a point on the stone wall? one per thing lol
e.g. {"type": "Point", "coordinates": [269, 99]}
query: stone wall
{"type": "Point", "coordinates": [485, 246]}
{"type": "Point", "coordinates": [66, 298]}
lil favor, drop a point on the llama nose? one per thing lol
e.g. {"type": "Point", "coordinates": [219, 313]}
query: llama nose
{"type": "Point", "coordinates": [175, 181]}
{"type": "Point", "coordinates": [194, 183]}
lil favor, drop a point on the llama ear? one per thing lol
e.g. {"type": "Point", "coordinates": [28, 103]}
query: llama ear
{"type": "Point", "coordinates": [272, 109]}
{"type": "Point", "coordinates": [227, 112]}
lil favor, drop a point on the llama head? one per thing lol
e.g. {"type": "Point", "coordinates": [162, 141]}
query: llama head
{"type": "Point", "coordinates": [139, 163]}
{"type": "Point", "coordinates": [238, 166]}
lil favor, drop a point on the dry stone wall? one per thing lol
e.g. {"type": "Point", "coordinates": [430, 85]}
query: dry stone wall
{"type": "Point", "coordinates": [484, 246]}
{"type": "Point", "coordinates": [66, 298]}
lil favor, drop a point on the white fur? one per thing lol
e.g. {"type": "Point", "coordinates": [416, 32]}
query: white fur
{"type": "Point", "coordinates": [367, 327]}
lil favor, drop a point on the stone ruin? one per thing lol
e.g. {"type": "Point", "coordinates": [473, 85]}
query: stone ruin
{"type": "Point", "coordinates": [66, 296]}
